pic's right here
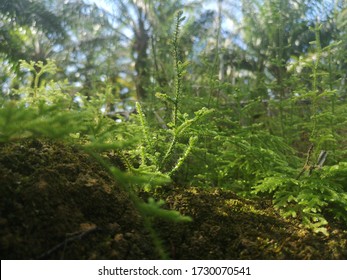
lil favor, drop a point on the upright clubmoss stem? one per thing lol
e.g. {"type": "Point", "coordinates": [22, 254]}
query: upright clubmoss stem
{"type": "Point", "coordinates": [178, 69]}
{"type": "Point", "coordinates": [315, 79]}
{"type": "Point", "coordinates": [178, 78]}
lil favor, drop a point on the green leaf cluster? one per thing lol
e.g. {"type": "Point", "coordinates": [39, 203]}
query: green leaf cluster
{"type": "Point", "coordinates": [43, 112]}
{"type": "Point", "coordinates": [310, 199]}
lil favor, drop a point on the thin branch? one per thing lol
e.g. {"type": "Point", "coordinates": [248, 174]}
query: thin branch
{"type": "Point", "coordinates": [76, 235]}
{"type": "Point", "coordinates": [306, 165]}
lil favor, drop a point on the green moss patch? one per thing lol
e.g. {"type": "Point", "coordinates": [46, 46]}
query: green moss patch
{"type": "Point", "coordinates": [56, 202]}
{"type": "Point", "coordinates": [226, 226]}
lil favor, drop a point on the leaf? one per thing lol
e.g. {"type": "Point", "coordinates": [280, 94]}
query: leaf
{"type": "Point", "coordinates": [165, 97]}
{"type": "Point", "coordinates": [152, 208]}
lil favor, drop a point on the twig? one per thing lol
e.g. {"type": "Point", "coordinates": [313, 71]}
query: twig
{"type": "Point", "coordinates": [306, 165]}
{"type": "Point", "coordinates": [76, 235]}
{"type": "Point", "coordinates": [320, 161]}
{"type": "Point", "coordinates": [322, 158]}
{"type": "Point", "coordinates": [160, 120]}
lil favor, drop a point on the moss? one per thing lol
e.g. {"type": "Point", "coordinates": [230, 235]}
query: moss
{"type": "Point", "coordinates": [58, 203]}
{"type": "Point", "coordinates": [226, 226]}
{"type": "Point", "coordinates": [52, 194]}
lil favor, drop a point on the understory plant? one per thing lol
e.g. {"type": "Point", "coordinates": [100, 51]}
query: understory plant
{"type": "Point", "coordinates": [46, 110]}
{"type": "Point", "coordinates": [316, 190]}
{"type": "Point", "coordinates": [161, 151]}
{"type": "Point", "coordinates": [311, 198]}
{"type": "Point", "coordinates": [290, 151]}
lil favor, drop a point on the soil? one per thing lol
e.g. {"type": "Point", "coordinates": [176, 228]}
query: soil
{"type": "Point", "coordinates": [56, 202]}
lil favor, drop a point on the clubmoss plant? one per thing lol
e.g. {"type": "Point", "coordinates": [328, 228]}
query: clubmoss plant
{"type": "Point", "coordinates": [39, 113]}
{"type": "Point", "coordinates": [313, 192]}
{"type": "Point", "coordinates": [166, 160]}
{"type": "Point", "coordinates": [39, 89]}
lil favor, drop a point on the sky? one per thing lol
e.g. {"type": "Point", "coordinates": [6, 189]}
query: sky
{"type": "Point", "coordinates": [207, 5]}
{"type": "Point", "coordinates": [103, 4]}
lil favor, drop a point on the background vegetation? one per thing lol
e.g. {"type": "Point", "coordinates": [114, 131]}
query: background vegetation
{"type": "Point", "coordinates": [248, 96]}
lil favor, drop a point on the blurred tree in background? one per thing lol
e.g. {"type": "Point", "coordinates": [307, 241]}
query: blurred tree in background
{"type": "Point", "coordinates": [128, 43]}
{"type": "Point", "coordinates": [240, 51]}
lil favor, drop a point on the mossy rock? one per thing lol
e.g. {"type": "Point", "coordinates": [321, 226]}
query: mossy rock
{"type": "Point", "coordinates": [57, 202]}
{"type": "Point", "coordinates": [226, 226]}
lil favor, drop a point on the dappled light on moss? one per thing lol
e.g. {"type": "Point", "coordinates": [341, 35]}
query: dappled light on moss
{"type": "Point", "coordinates": [51, 193]}
{"type": "Point", "coordinates": [68, 207]}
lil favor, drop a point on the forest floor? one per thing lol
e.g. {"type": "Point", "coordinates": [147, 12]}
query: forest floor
{"type": "Point", "coordinates": [56, 202]}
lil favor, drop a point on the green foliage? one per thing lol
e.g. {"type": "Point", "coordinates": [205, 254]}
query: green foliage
{"type": "Point", "coordinates": [257, 150]}
{"type": "Point", "coordinates": [310, 198]}
{"type": "Point", "coordinates": [18, 18]}
{"type": "Point", "coordinates": [318, 194]}
{"type": "Point", "coordinates": [19, 122]}
{"type": "Point", "coordinates": [153, 208]}
{"type": "Point", "coordinates": [161, 158]}
{"type": "Point", "coordinates": [42, 112]}
{"type": "Point", "coordinates": [233, 111]}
